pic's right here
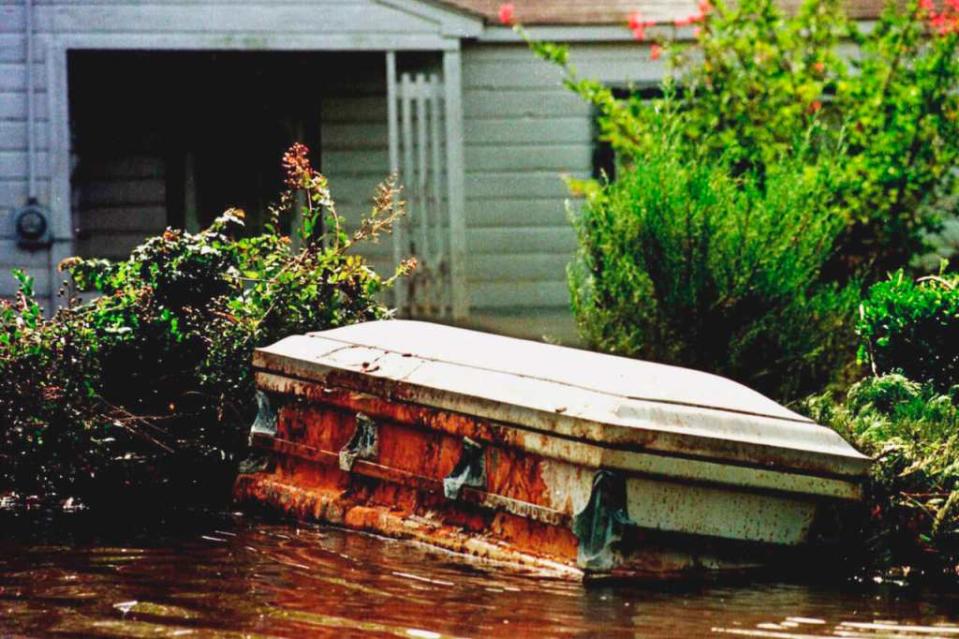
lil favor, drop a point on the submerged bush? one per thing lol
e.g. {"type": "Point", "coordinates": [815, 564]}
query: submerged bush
{"type": "Point", "coordinates": [151, 383]}
{"type": "Point", "coordinates": [912, 326]}
{"type": "Point", "coordinates": [912, 431]}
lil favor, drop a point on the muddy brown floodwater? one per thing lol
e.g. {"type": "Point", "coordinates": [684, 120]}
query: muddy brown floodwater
{"type": "Point", "coordinates": [233, 576]}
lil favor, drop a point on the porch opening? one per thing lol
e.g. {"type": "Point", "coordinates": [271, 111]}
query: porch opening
{"type": "Point", "coordinates": [173, 138]}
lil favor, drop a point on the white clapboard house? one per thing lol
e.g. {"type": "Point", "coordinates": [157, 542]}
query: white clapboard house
{"type": "Point", "coordinates": [121, 117]}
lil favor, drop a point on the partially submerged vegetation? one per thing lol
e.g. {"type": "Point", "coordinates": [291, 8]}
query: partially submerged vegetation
{"type": "Point", "coordinates": [906, 416]}
{"type": "Point", "coordinates": [755, 212]}
{"type": "Point", "coordinates": [911, 522]}
{"type": "Point", "coordinates": [149, 385]}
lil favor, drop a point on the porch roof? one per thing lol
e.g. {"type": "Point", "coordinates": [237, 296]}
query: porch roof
{"type": "Point", "coordinates": [613, 12]}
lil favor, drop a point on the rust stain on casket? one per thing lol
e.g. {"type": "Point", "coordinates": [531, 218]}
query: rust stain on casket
{"type": "Point", "coordinates": [413, 459]}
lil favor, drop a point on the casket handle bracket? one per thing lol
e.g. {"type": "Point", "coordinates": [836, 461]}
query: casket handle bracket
{"type": "Point", "coordinates": [364, 443]}
{"type": "Point", "coordinates": [470, 470]}
{"type": "Point", "coordinates": [601, 524]}
{"type": "Point", "coordinates": [262, 432]}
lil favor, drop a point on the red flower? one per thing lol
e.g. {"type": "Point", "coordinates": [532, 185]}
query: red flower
{"type": "Point", "coordinates": [939, 23]}
{"type": "Point", "coordinates": [655, 52]}
{"type": "Point", "coordinates": [814, 106]}
{"type": "Point", "coordinates": [705, 7]}
{"type": "Point", "coordinates": [296, 165]}
{"type": "Point", "coordinates": [819, 67]}
{"type": "Point", "coordinates": [638, 26]}
{"type": "Point", "coordinates": [688, 20]}
{"type": "Point", "coordinates": [507, 13]}
{"type": "Point", "coordinates": [927, 5]}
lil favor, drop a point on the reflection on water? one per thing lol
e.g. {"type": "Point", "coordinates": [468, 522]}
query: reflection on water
{"type": "Point", "coordinates": [236, 577]}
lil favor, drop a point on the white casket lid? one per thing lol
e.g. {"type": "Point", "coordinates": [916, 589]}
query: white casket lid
{"type": "Point", "coordinates": [596, 398]}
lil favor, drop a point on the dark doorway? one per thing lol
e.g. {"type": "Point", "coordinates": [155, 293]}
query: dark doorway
{"type": "Point", "coordinates": [173, 139]}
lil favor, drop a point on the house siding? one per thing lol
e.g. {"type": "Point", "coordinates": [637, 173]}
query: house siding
{"type": "Point", "coordinates": [121, 201]}
{"type": "Point", "coordinates": [354, 153]}
{"type": "Point", "coordinates": [241, 24]}
{"type": "Point", "coordinates": [13, 149]}
{"type": "Point", "coordinates": [523, 132]}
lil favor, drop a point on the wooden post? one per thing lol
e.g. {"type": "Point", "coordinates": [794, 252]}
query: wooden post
{"type": "Point", "coordinates": [399, 291]}
{"type": "Point", "coordinates": [455, 178]}
{"type": "Point", "coordinates": [61, 213]}
{"type": "Point", "coordinates": [191, 209]}
{"type": "Point", "coordinates": [408, 180]}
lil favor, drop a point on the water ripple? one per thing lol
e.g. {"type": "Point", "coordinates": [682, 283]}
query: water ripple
{"type": "Point", "coordinates": [244, 578]}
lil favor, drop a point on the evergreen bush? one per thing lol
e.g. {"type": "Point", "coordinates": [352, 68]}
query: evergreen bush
{"type": "Point", "coordinates": [681, 261]}
{"type": "Point", "coordinates": [912, 327]}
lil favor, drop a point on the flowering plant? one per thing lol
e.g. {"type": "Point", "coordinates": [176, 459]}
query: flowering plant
{"type": "Point", "coordinates": [761, 80]}
{"type": "Point", "coordinates": [150, 384]}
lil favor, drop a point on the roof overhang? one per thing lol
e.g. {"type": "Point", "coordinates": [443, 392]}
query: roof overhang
{"type": "Point", "coordinates": [452, 21]}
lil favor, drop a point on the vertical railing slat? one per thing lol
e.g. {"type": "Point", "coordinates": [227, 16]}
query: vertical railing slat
{"type": "Point", "coordinates": [436, 195]}
{"type": "Point", "coordinates": [455, 182]}
{"type": "Point", "coordinates": [422, 174]}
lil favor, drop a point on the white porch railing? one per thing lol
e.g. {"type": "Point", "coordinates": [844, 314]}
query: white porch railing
{"type": "Point", "coordinates": [420, 153]}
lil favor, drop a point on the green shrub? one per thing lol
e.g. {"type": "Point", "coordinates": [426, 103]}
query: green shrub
{"type": "Point", "coordinates": [912, 494]}
{"type": "Point", "coordinates": [150, 383]}
{"type": "Point", "coordinates": [756, 81]}
{"type": "Point", "coordinates": [763, 76]}
{"type": "Point", "coordinates": [682, 262]}
{"type": "Point", "coordinates": [912, 327]}
{"type": "Point", "coordinates": [725, 255]}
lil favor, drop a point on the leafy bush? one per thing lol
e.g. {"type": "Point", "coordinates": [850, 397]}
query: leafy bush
{"type": "Point", "coordinates": [719, 248]}
{"type": "Point", "coordinates": [899, 112]}
{"type": "Point", "coordinates": [758, 80]}
{"type": "Point", "coordinates": [151, 383]}
{"type": "Point", "coordinates": [764, 76]}
{"type": "Point", "coordinates": [682, 262]}
{"type": "Point", "coordinates": [912, 496]}
{"type": "Point", "coordinates": [913, 327]}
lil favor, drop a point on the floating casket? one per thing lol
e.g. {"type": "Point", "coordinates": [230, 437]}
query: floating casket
{"type": "Point", "coordinates": [561, 460]}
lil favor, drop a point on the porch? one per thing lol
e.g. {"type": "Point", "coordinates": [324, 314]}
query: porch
{"type": "Point", "coordinates": [153, 131]}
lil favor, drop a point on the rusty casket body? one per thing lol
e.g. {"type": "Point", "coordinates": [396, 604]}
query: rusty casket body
{"type": "Point", "coordinates": [565, 461]}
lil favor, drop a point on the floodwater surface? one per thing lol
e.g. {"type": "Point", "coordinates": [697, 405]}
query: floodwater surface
{"type": "Point", "coordinates": [233, 576]}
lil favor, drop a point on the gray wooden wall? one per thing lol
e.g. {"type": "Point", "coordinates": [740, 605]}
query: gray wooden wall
{"type": "Point", "coordinates": [13, 145]}
{"type": "Point", "coordinates": [522, 131]}
{"type": "Point", "coordinates": [237, 24]}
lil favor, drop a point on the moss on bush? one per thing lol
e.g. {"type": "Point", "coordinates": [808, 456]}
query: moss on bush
{"type": "Point", "coordinates": [911, 523]}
